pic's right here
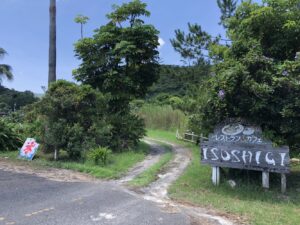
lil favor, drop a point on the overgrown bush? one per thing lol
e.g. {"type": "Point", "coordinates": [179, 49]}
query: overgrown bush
{"type": "Point", "coordinates": [126, 131]}
{"type": "Point", "coordinates": [186, 104]}
{"type": "Point", "coordinates": [76, 118]}
{"type": "Point", "coordinates": [69, 117]}
{"type": "Point", "coordinates": [99, 154]}
{"type": "Point", "coordinates": [258, 76]}
{"type": "Point", "coordinates": [9, 138]}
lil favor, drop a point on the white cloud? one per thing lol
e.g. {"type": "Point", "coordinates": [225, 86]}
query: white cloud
{"type": "Point", "coordinates": [161, 43]}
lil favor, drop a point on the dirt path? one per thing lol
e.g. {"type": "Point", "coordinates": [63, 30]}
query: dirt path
{"type": "Point", "coordinates": [151, 159]}
{"type": "Point", "coordinates": [171, 172]}
{"type": "Point", "coordinates": [157, 191]}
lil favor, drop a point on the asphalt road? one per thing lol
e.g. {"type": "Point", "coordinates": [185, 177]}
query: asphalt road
{"type": "Point", "coordinates": [30, 200]}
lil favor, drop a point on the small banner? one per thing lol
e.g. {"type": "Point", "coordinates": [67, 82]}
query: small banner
{"type": "Point", "coordinates": [29, 149]}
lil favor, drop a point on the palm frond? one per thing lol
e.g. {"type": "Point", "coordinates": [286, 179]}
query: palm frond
{"type": "Point", "coordinates": [6, 71]}
{"type": "Point", "coordinates": [2, 52]}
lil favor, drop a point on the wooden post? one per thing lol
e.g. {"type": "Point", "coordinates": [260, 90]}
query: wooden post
{"type": "Point", "coordinates": [283, 183]}
{"type": "Point", "coordinates": [265, 179]}
{"type": "Point", "coordinates": [216, 175]}
{"type": "Point", "coordinates": [192, 136]}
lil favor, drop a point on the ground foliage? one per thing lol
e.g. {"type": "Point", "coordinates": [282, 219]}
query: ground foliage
{"type": "Point", "coordinates": [10, 139]}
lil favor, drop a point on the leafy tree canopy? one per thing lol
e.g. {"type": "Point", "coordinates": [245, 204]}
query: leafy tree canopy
{"type": "Point", "coordinates": [258, 77]}
{"type": "Point", "coordinates": [121, 59]}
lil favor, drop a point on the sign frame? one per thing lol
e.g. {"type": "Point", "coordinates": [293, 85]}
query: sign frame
{"type": "Point", "coordinates": [238, 144]}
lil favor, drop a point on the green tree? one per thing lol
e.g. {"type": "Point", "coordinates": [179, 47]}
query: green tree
{"type": "Point", "coordinates": [192, 46]}
{"type": "Point", "coordinates": [258, 78]}
{"type": "Point", "coordinates": [5, 70]}
{"type": "Point", "coordinates": [52, 43]}
{"type": "Point", "coordinates": [69, 117]}
{"type": "Point", "coordinates": [122, 57]}
{"type": "Point", "coordinates": [227, 8]}
{"type": "Point", "coordinates": [121, 60]}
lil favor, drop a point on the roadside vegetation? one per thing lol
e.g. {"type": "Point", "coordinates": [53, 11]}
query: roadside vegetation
{"type": "Point", "coordinates": [89, 126]}
{"type": "Point", "coordinates": [117, 164]}
{"type": "Point", "coordinates": [163, 117]}
{"type": "Point", "coordinates": [96, 126]}
{"type": "Point", "coordinates": [247, 200]}
{"type": "Point", "coordinates": [151, 174]}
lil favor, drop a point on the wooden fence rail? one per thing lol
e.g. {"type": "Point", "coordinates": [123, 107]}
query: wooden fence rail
{"type": "Point", "coordinates": [190, 137]}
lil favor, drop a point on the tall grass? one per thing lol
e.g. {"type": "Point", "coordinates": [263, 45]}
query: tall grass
{"type": "Point", "coordinates": [162, 117]}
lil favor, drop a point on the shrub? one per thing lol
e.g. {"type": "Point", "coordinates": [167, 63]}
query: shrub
{"type": "Point", "coordinates": [76, 117]}
{"type": "Point", "coordinates": [126, 131]}
{"type": "Point", "coordinates": [9, 138]}
{"type": "Point", "coordinates": [99, 154]}
{"type": "Point", "coordinates": [66, 118]}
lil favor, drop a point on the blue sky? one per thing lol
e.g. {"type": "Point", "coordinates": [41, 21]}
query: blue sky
{"type": "Point", "coordinates": [25, 28]}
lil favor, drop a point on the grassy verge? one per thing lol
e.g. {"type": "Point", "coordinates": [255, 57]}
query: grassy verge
{"type": "Point", "coordinates": [150, 175]}
{"type": "Point", "coordinates": [117, 165]}
{"type": "Point", "coordinates": [247, 200]}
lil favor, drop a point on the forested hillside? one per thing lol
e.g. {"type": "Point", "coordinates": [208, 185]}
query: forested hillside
{"type": "Point", "coordinates": [11, 100]}
{"type": "Point", "coordinates": [179, 80]}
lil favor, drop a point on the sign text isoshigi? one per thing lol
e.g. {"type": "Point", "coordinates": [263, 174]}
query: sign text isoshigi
{"type": "Point", "coordinates": [236, 143]}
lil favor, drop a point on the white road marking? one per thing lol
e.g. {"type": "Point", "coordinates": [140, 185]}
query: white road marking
{"type": "Point", "coordinates": [10, 223]}
{"type": "Point", "coordinates": [39, 212]}
{"type": "Point", "coordinates": [107, 216]}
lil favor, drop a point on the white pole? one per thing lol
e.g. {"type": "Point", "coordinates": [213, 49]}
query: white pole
{"type": "Point", "coordinates": [265, 180]}
{"type": "Point", "coordinates": [216, 175]}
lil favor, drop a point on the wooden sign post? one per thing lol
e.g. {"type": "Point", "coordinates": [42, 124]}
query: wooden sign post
{"type": "Point", "coordinates": [238, 144]}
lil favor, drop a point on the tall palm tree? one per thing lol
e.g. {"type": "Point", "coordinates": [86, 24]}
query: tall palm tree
{"type": "Point", "coordinates": [5, 70]}
{"type": "Point", "coordinates": [81, 20]}
{"type": "Point", "coordinates": [52, 43]}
